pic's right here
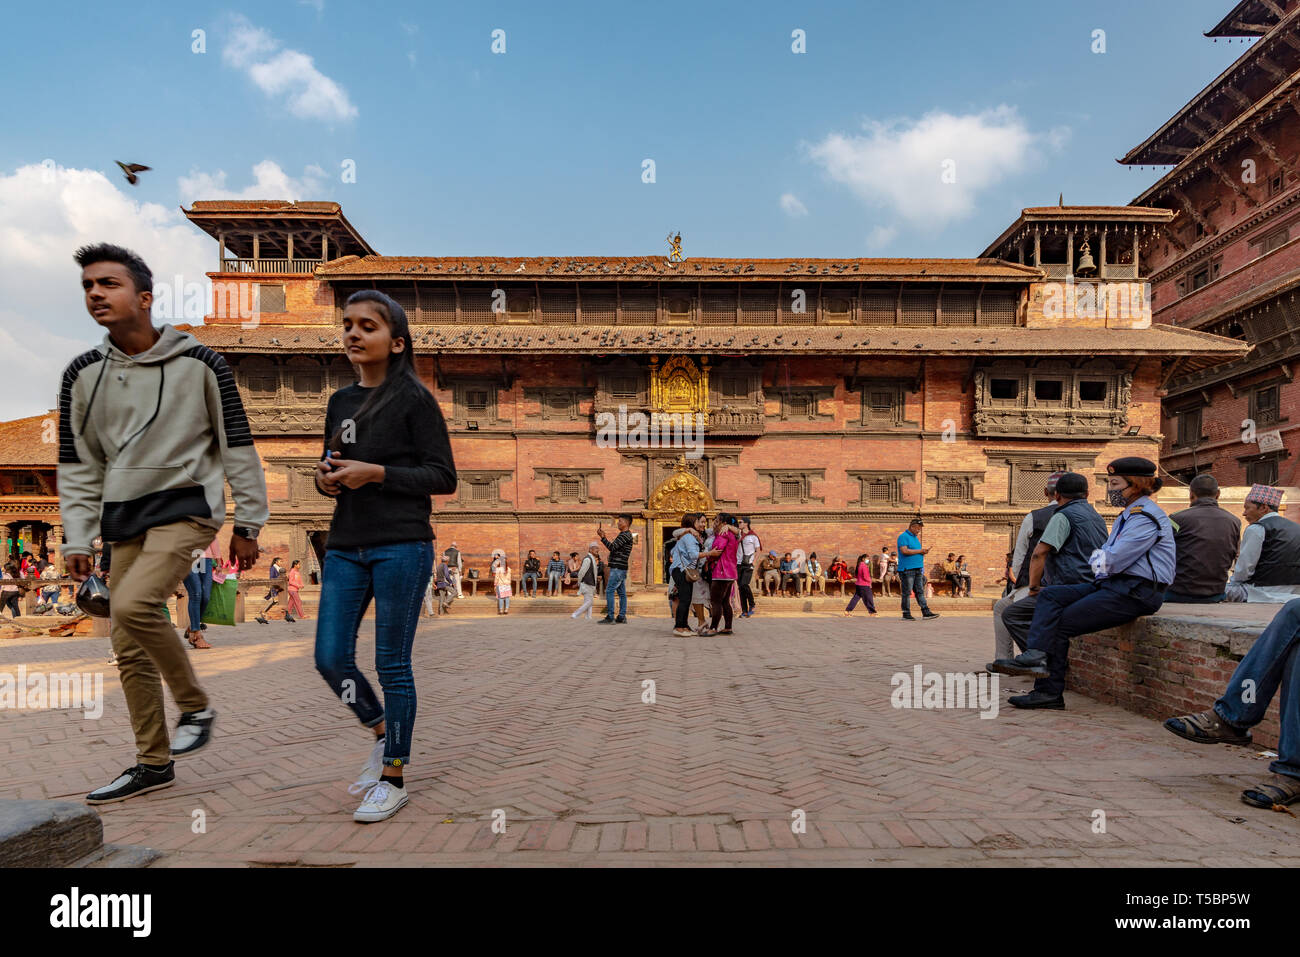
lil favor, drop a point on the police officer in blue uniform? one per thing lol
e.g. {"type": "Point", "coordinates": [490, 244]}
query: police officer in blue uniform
{"type": "Point", "coordinates": [1132, 571]}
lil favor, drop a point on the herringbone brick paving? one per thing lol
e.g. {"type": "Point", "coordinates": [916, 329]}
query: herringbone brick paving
{"type": "Point", "coordinates": [543, 720]}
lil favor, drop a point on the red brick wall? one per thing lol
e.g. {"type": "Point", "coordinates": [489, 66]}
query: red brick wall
{"type": "Point", "coordinates": [1163, 667]}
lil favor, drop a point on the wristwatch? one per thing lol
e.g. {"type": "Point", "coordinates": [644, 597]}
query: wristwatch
{"type": "Point", "coordinates": [244, 531]}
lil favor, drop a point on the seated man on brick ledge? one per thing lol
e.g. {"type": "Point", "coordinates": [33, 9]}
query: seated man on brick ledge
{"type": "Point", "coordinates": [1268, 568]}
{"type": "Point", "coordinates": [1132, 571]}
{"type": "Point", "coordinates": [1207, 538]}
{"type": "Point", "coordinates": [1270, 664]}
{"type": "Point", "coordinates": [1061, 557]}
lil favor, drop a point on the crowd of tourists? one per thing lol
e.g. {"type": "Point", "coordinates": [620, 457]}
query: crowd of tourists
{"type": "Point", "coordinates": [386, 452]}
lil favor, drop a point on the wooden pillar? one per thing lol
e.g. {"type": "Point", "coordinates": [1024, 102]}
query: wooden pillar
{"type": "Point", "coordinates": [289, 244]}
{"type": "Point", "coordinates": [325, 249]}
{"type": "Point", "coordinates": [221, 252]}
{"type": "Point", "coordinates": [1069, 252]}
{"type": "Point", "coordinates": [1101, 256]}
{"type": "Point", "coordinates": [257, 250]}
{"type": "Point", "coordinates": [1038, 248]}
{"type": "Point", "coordinates": [1135, 253]}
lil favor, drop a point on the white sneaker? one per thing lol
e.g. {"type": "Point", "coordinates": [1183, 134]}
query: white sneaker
{"type": "Point", "coordinates": [370, 770]}
{"type": "Point", "coordinates": [380, 803]}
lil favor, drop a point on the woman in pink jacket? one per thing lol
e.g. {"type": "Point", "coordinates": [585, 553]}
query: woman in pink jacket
{"type": "Point", "coordinates": [862, 589]}
{"type": "Point", "coordinates": [726, 540]}
{"type": "Point", "coordinates": [295, 585]}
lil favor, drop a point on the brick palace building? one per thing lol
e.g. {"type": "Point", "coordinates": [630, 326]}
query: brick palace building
{"type": "Point", "coordinates": [1229, 261]}
{"type": "Point", "coordinates": [945, 387]}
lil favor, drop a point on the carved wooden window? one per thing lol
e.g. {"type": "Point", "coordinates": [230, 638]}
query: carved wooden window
{"type": "Point", "coordinates": [879, 307]}
{"type": "Point", "coordinates": [920, 307]}
{"type": "Point", "coordinates": [1262, 471]}
{"type": "Point", "coordinates": [1004, 389]}
{"type": "Point", "coordinates": [718, 306]}
{"type": "Point", "coordinates": [624, 387]}
{"type": "Point", "coordinates": [804, 404]}
{"type": "Point", "coordinates": [734, 387]}
{"type": "Point", "coordinates": [640, 306]}
{"type": "Point", "coordinates": [476, 304]}
{"type": "Point", "coordinates": [1048, 391]}
{"type": "Point", "coordinates": [567, 486]}
{"type": "Point", "coordinates": [519, 306]}
{"type": "Point", "coordinates": [560, 306]}
{"type": "Point", "coordinates": [26, 483]}
{"type": "Point", "coordinates": [758, 305]}
{"type": "Point", "coordinates": [599, 305]}
{"type": "Point", "coordinates": [791, 487]}
{"type": "Point", "coordinates": [1264, 406]}
{"type": "Point", "coordinates": [958, 307]}
{"type": "Point", "coordinates": [880, 489]}
{"type": "Point", "coordinates": [1093, 391]}
{"type": "Point", "coordinates": [261, 379]}
{"type": "Point", "coordinates": [270, 297]}
{"type": "Point", "coordinates": [1028, 482]}
{"type": "Point", "coordinates": [1276, 183]}
{"type": "Point", "coordinates": [954, 488]}
{"type": "Point", "coordinates": [678, 306]}
{"type": "Point", "coordinates": [1274, 240]}
{"type": "Point", "coordinates": [882, 404]}
{"type": "Point", "coordinates": [474, 401]}
{"type": "Point", "coordinates": [837, 304]}
{"type": "Point", "coordinates": [1051, 397]}
{"type": "Point", "coordinates": [479, 488]}
{"type": "Point", "coordinates": [1189, 426]}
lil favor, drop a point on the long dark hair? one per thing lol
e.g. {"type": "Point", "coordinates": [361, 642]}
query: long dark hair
{"type": "Point", "coordinates": [861, 559]}
{"type": "Point", "coordinates": [401, 382]}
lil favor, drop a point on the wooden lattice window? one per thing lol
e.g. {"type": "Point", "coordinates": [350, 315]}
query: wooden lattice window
{"type": "Point", "coordinates": [1265, 406]}
{"type": "Point", "coordinates": [758, 306]}
{"type": "Point", "coordinates": [880, 491]}
{"type": "Point", "coordinates": [270, 297]}
{"type": "Point", "coordinates": [719, 306]}
{"type": "Point", "coordinates": [1027, 483]}
{"type": "Point", "coordinates": [678, 306]}
{"type": "Point", "coordinates": [261, 380]}
{"type": "Point", "coordinates": [998, 308]}
{"type": "Point", "coordinates": [481, 492]}
{"type": "Point", "coordinates": [476, 401]}
{"type": "Point", "coordinates": [569, 491]}
{"type": "Point", "coordinates": [958, 308]}
{"type": "Point", "coordinates": [559, 305]}
{"type": "Point", "coordinates": [624, 387]}
{"type": "Point", "coordinates": [640, 306]}
{"type": "Point", "coordinates": [920, 308]}
{"type": "Point", "coordinates": [599, 306]}
{"type": "Point", "coordinates": [25, 483]}
{"type": "Point", "coordinates": [879, 307]}
{"type": "Point", "coordinates": [734, 387]}
{"type": "Point", "coordinates": [788, 491]}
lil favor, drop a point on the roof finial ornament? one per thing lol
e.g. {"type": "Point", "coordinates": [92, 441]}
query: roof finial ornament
{"type": "Point", "coordinates": [1060, 201]}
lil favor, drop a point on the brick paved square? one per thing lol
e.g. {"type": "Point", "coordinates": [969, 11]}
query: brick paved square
{"type": "Point", "coordinates": [544, 720]}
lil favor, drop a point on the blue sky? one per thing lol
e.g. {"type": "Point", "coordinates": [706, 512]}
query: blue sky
{"type": "Point", "coordinates": [758, 151]}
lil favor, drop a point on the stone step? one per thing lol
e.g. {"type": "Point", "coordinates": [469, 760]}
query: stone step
{"type": "Point", "coordinates": [48, 833]}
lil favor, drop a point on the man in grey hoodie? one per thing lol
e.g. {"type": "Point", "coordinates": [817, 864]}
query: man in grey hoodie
{"type": "Point", "coordinates": [150, 428]}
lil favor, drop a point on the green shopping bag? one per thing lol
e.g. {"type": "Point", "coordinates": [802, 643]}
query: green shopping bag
{"type": "Point", "coordinates": [221, 605]}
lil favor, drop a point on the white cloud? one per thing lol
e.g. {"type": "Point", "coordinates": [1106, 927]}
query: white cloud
{"type": "Point", "coordinates": [45, 214]}
{"type": "Point", "coordinates": [287, 74]}
{"type": "Point", "coordinates": [880, 238]}
{"type": "Point", "coordinates": [792, 206]}
{"type": "Point", "coordinates": [269, 182]}
{"type": "Point", "coordinates": [899, 166]}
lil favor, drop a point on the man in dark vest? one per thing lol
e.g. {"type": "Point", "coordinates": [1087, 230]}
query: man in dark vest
{"type": "Point", "coordinates": [1207, 538]}
{"type": "Point", "coordinates": [1031, 530]}
{"type": "Point", "coordinates": [1061, 556]}
{"type": "Point", "coordinates": [1268, 568]}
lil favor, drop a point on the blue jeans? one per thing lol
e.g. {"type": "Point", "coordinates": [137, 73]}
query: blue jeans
{"type": "Point", "coordinates": [198, 587]}
{"type": "Point", "coordinates": [617, 586]}
{"type": "Point", "coordinates": [530, 583]}
{"type": "Point", "coordinates": [914, 582]}
{"type": "Point", "coordinates": [1063, 612]}
{"type": "Point", "coordinates": [396, 576]}
{"type": "Point", "coordinates": [553, 580]}
{"type": "Point", "coordinates": [1270, 664]}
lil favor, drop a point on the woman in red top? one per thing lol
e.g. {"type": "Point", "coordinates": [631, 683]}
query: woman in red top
{"type": "Point", "coordinates": [295, 584]}
{"type": "Point", "coordinates": [862, 591]}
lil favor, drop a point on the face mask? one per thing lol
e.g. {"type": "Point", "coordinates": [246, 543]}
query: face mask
{"type": "Point", "coordinates": [1116, 497]}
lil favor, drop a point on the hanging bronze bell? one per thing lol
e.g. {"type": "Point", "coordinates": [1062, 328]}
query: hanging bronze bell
{"type": "Point", "coordinates": [1086, 266]}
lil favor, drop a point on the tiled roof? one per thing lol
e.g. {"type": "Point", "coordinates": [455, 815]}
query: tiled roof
{"type": "Point", "coordinates": [20, 441]}
{"type": "Point", "coordinates": [692, 269]}
{"type": "Point", "coordinates": [1254, 296]}
{"type": "Point", "coordinates": [1101, 214]}
{"type": "Point", "coordinates": [775, 340]}
{"type": "Point", "coordinates": [262, 205]}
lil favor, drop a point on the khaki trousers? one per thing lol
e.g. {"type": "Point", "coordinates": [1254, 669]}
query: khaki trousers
{"type": "Point", "coordinates": [146, 572]}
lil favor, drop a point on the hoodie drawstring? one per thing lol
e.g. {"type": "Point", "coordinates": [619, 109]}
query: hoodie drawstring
{"type": "Point", "coordinates": [158, 406]}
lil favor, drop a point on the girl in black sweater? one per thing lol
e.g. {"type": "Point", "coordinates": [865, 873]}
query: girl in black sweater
{"type": "Point", "coordinates": [386, 453]}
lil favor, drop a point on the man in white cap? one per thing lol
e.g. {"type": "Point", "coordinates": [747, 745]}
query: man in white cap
{"type": "Point", "coordinates": [1268, 565]}
{"type": "Point", "coordinates": [455, 564]}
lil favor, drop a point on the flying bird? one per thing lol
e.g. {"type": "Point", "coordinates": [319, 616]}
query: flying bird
{"type": "Point", "coordinates": [130, 169]}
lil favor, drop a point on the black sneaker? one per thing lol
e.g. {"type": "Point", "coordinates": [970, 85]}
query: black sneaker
{"type": "Point", "coordinates": [605, 621]}
{"type": "Point", "coordinates": [290, 618]}
{"type": "Point", "coordinates": [909, 618]}
{"type": "Point", "coordinates": [1038, 699]}
{"type": "Point", "coordinates": [929, 614]}
{"type": "Point", "coordinates": [193, 732]}
{"type": "Point", "coordinates": [620, 620]}
{"type": "Point", "coordinates": [133, 781]}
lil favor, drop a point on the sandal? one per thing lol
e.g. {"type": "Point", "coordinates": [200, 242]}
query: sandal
{"type": "Point", "coordinates": [725, 631]}
{"type": "Point", "coordinates": [1206, 727]}
{"type": "Point", "coordinates": [706, 633]}
{"type": "Point", "coordinates": [1275, 796]}
{"type": "Point", "coordinates": [196, 640]}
